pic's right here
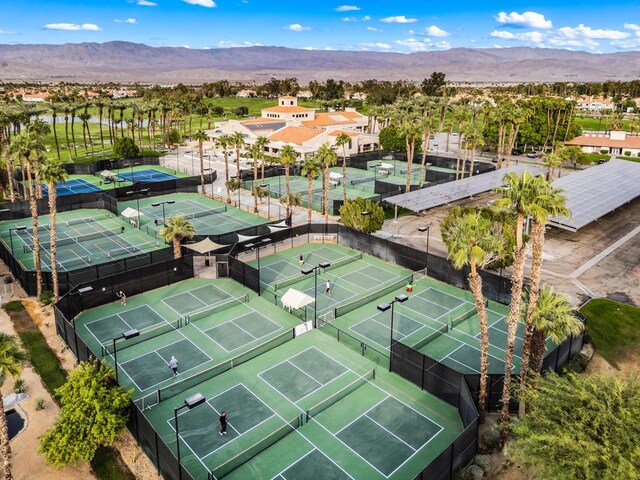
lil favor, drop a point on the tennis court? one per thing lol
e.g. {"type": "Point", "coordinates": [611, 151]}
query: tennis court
{"type": "Point", "coordinates": [203, 323]}
{"type": "Point", "coordinates": [208, 216]}
{"type": "Point", "coordinates": [84, 237]}
{"type": "Point", "coordinates": [72, 186]}
{"type": "Point", "coordinates": [145, 176]}
{"type": "Point", "coordinates": [310, 406]}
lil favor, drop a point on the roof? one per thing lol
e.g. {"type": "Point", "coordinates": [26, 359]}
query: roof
{"type": "Point", "coordinates": [333, 118]}
{"type": "Point", "coordinates": [335, 133]}
{"type": "Point", "coordinates": [297, 135]}
{"type": "Point", "coordinates": [630, 141]}
{"type": "Point", "coordinates": [255, 121]}
{"type": "Point", "coordinates": [290, 109]}
{"type": "Point", "coordinates": [288, 97]}
{"type": "Point", "coordinates": [597, 191]}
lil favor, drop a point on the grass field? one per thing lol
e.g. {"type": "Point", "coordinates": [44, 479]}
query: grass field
{"type": "Point", "coordinates": [614, 328]}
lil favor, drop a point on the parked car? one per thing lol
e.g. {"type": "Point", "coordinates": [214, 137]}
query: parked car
{"type": "Point", "coordinates": [533, 154]}
{"type": "Point", "coordinates": [602, 160]}
{"type": "Point", "coordinates": [515, 151]}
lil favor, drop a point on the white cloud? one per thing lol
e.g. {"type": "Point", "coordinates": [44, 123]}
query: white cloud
{"type": "Point", "coordinates": [6, 32]}
{"type": "Point", "coordinates": [532, 37]}
{"type": "Point", "coordinates": [582, 31]}
{"type": "Point", "coordinates": [373, 29]}
{"type": "Point", "coordinates": [128, 20]}
{"type": "Point", "coordinates": [366, 18]}
{"type": "Point", "coordinates": [347, 8]}
{"type": "Point", "coordinates": [415, 45]}
{"type": "Point", "coordinates": [398, 19]}
{"type": "Point", "coordinates": [72, 26]}
{"type": "Point", "coordinates": [525, 19]}
{"type": "Point", "coordinates": [231, 44]}
{"type": "Point", "coordinates": [375, 45]}
{"type": "Point", "coordinates": [502, 34]}
{"type": "Point", "coordinates": [444, 45]}
{"type": "Point", "coordinates": [632, 26]}
{"type": "Point", "coordinates": [296, 27]}
{"type": "Point", "coordinates": [202, 3]}
{"type": "Point", "coordinates": [434, 31]}
{"type": "Point", "coordinates": [146, 3]}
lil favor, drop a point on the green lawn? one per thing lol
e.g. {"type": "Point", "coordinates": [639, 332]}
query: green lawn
{"type": "Point", "coordinates": [614, 328]}
{"type": "Point", "coordinates": [594, 123]}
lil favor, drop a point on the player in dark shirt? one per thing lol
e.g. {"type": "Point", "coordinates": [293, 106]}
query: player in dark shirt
{"type": "Point", "coordinates": [223, 423]}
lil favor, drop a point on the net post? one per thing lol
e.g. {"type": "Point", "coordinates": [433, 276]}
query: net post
{"type": "Point", "coordinates": [307, 416]}
{"type": "Point", "coordinates": [374, 374]}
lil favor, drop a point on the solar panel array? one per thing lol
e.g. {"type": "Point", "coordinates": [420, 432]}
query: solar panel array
{"type": "Point", "coordinates": [446, 193]}
{"type": "Point", "coordinates": [597, 191]}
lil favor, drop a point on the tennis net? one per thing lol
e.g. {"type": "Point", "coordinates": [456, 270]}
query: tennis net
{"type": "Point", "coordinates": [145, 334]}
{"type": "Point", "coordinates": [133, 249]}
{"type": "Point", "coordinates": [362, 180]}
{"type": "Point", "coordinates": [340, 394]}
{"type": "Point", "coordinates": [89, 236]}
{"type": "Point", "coordinates": [218, 307]}
{"type": "Point", "coordinates": [463, 316]}
{"type": "Point", "coordinates": [204, 213]}
{"type": "Point", "coordinates": [431, 337]}
{"type": "Point", "coordinates": [78, 221]}
{"type": "Point", "coordinates": [247, 454]}
{"type": "Point", "coordinates": [375, 293]}
{"type": "Point", "coordinates": [334, 264]}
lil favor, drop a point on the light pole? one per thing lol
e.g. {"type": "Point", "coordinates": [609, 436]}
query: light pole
{"type": "Point", "coordinates": [21, 228]}
{"type": "Point", "coordinates": [124, 336]}
{"type": "Point", "coordinates": [234, 178]}
{"type": "Point", "coordinates": [257, 246]}
{"type": "Point", "coordinates": [383, 307]}
{"type": "Point", "coordinates": [436, 145]}
{"type": "Point", "coordinates": [168, 202]}
{"type": "Point", "coordinates": [138, 193]}
{"type": "Point", "coordinates": [210, 171]}
{"type": "Point", "coordinates": [189, 402]}
{"type": "Point", "coordinates": [314, 270]}
{"type": "Point", "coordinates": [367, 214]}
{"type": "Point", "coordinates": [192, 167]}
{"type": "Point", "coordinates": [426, 228]}
{"type": "Point", "coordinates": [268, 187]}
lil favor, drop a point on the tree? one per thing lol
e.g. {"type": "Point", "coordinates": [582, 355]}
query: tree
{"type": "Point", "coordinates": [327, 157]}
{"type": "Point", "coordinates": [432, 86]}
{"type": "Point", "coordinates": [224, 142]}
{"type": "Point", "coordinates": [342, 140]}
{"type": "Point", "coordinates": [310, 168]}
{"type": "Point", "coordinates": [94, 409]}
{"type": "Point", "coordinates": [352, 217]}
{"type": "Point", "coordinates": [237, 141]}
{"type": "Point", "coordinates": [391, 139]}
{"type": "Point", "coordinates": [255, 153]}
{"type": "Point", "coordinates": [126, 147]}
{"type": "Point", "coordinates": [200, 136]}
{"type": "Point", "coordinates": [241, 111]}
{"type": "Point", "coordinates": [176, 229]}
{"type": "Point", "coordinates": [475, 241]}
{"type": "Point", "coordinates": [573, 154]}
{"type": "Point", "coordinates": [291, 201]}
{"type": "Point", "coordinates": [53, 172]}
{"type": "Point", "coordinates": [172, 137]}
{"type": "Point", "coordinates": [261, 143]}
{"type": "Point", "coordinates": [410, 129]}
{"type": "Point", "coordinates": [11, 359]}
{"type": "Point", "coordinates": [287, 158]}
{"type": "Point", "coordinates": [235, 184]}
{"type": "Point", "coordinates": [582, 427]}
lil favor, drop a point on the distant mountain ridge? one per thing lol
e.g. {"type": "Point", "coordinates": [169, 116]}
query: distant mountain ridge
{"type": "Point", "coordinates": [126, 61]}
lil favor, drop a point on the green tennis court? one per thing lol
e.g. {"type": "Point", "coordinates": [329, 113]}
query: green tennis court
{"type": "Point", "coordinates": [203, 323]}
{"type": "Point", "coordinates": [208, 216]}
{"type": "Point", "coordinates": [310, 406]}
{"type": "Point", "coordinates": [85, 237]}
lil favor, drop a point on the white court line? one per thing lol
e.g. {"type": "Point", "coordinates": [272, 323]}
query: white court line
{"type": "Point", "coordinates": [393, 434]}
{"type": "Point", "coordinates": [295, 366]}
{"type": "Point", "coordinates": [315, 449]}
{"type": "Point", "coordinates": [322, 386]}
{"type": "Point", "coordinates": [241, 434]}
{"type": "Point", "coordinates": [204, 305]}
{"type": "Point", "coordinates": [362, 414]}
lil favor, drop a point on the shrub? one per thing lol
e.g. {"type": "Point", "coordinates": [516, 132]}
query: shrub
{"type": "Point", "coordinates": [604, 151]}
{"type": "Point", "coordinates": [8, 279]}
{"type": "Point", "coordinates": [627, 153]}
{"type": "Point", "coordinates": [40, 403]}
{"type": "Point", "coordinates": [126, 148]}
{"type": "Point", "coordinates": [491, 438]}
{"type": "Point", "coordinates": [19, 386]}
{"type": "Point", "coordinates": [483, 461]}
{"type": "Point", "coordinates": [474, 472]}
{"type": "Point", "coordinates": [578, 364]}
{"type": "Point", "coordinates": [13, 306]}
{"type": "Point", "coordinates": [46, 297]}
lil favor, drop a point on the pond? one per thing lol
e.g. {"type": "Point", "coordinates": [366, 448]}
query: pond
{"type": "Point", "coordinates": [15, 422]}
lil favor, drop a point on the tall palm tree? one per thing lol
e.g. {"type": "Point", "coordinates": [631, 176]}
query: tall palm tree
{"type": "Point", "coordinates": [85, 117]}
{"type": "Point", "coordinates": [11, 359]}
{"type": "Point", "coordinates": [40, 129]}
{"type": "Point", "coordinates": [552, 317]}
{"type": "Point", "coordinates": [224, 141]}
{"type": "Point", "coordinates": [476, 241]}
{"type": "Point", "coordinates": [518, 196]}
{"type": "Point", "coordinates": [327, 157]}
{"type": "Point", "coordinates": [255, 153]}
{"type": "Point", "coordinates": [73, 109]}
{"type": "Point", "coordinates": [53, 172]}
{"type": "Point", "coordinates": [237, 140]}
{"type": "Point", "coordinates": [310, 168]}
{"type": "Point", "coordinates": [55, 109]}
{"type": "Point", "coordinates": [9, 161]}
{"type": "Point", "coordinates": [411, 130]}
{"type": "Point", "coordinates": [66, 108]}
{"type": "Point", "coordinates": [100, 104]}
{"type": "Point", "coordinates": [201, 137]}
{"type": "Point", "coordinates": [262, 143]}
{"type": "Point", "coordinates": [549, 202]}
{"type": "Point", "coordinates": [287, 157]}
{"type": "Point", "coordinates": [342, 140]}
{"type": "Point", "coordinates": [428, 123]}
{"type": "Point", "coordinates": [552, 161]}
{"type": "Point", "coordinates": [176, 229]}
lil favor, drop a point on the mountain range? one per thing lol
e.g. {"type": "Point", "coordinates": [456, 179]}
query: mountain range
{"type": "Point", "coordinates": [130, 62]}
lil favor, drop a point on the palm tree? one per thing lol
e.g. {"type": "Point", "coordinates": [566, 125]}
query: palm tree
{"type": "Point", "coordinates": [201, 137]}
{"type": "Point", "coordinates": [262, 143]}
{"type": "Point", "coordinates": [327, 157]}
{"type": "Point", "coordinates": [224, 141]}
{"type": "Point", "coordinates": [237, 140]}
{"type": "Point", "coordinates": [551, 161]}
{"type": "Point", "coordinates": [549, 202]}
{"type": "Point", "coordinates": [55, 109]}
{"type": "Point", "coordinates": [342, 140]}
{"type": "Point", "coordinates": [40, 130]}
{"type": "Point", "coordinates": [53, 172]}
{"type": "Point", "coordinates": [9, 162]}
{"type": "Point", "coordinates": [287, 158]}
{"type": "Point", "coordinates": [291, 201]}
{"type": "Point", "coordinates": [518, 196]}
{"type": "Point", "coordinates": [176, 229]}
{"type": "Point", "coordinates": [11, 359]}
{"type": "Point", "coordinates": [255, 153]}
{"type": "Point", "coordinates": [310, 168]}
{"type": "Point", "coordinates": [100, 104]}
{"type": "Point", "coordinates": [85, 117]}
{"type": "Point", "coordinates": [73, 108]}
{"type": "Point", "coordinates": [476, 241]}
{"type": "Point", "coordinates": [411, 130]}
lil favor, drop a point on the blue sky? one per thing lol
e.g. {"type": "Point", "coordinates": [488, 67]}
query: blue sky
{"type": "Point", "coordinates": [393, 26]}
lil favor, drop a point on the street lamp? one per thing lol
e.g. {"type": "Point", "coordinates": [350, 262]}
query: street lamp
{"type": "Point", "coordinates": [367, 214]}
{"type": "Point", "coordinates": [17, 229]}
{"type": "Point", "coordinates": [138, 193]}
{"type": "Point", "coordinates": [426, 228]}
{"type": "Point", "coordinates": [210, 171]}
{"type": "Point", "coordinates": [235, 177]}
{"type": "Point", "coordinates": [168, 202]}
{"type": "Point", "coordinates": [192, 167]}
{"type": "Point", "coordinates": [383, 307]}
{"type": "Point", "coordinates": [257, 246]}
{"type": "Point", "coordinates": [123, 336]}
{"type": "Point", "coordinates": [189, 402]}
{"type": "Point", "coordinates": [268, 187]}
{"type": "Point", "coordinates": [314, 270]}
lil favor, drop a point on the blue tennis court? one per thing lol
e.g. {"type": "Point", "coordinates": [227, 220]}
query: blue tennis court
{"type": "Point", "coordinates": [145, 176]}
{"type": "Point", "coordinates": [72, 187]}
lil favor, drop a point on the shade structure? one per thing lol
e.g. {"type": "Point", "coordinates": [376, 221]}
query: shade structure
{"type": "Point", "coordinates": [204, 246]}
{"type": "Point", "coordinates": [294, 299]}
{"type": "Point", "coordinates": [131, 213]}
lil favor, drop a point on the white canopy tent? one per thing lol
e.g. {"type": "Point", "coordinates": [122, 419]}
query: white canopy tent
{"type": "Point", "coordinates": [132, 215]}
{"type": "Point", "coordinates": [294, 299]}
{"type": "Point", "coordinates": [107, 173]}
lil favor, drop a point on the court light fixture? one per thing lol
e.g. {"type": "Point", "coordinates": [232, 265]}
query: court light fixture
{"type": "Point", "coordinates": [383, 307]}
{"type": "Point", "coordinates": [189, 402]}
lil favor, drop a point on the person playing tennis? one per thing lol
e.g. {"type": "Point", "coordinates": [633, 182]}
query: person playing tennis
{"type": "Point", "coordinates": [122, 297]}
{"type": "Point", "coordinates": [301, 260]}
{"type": "Point", "coordinates": [223, 423]}
{"type": "Point", "coordinates": [173, 365]}
{"type": "Point", "coordinates": [327, 288]}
